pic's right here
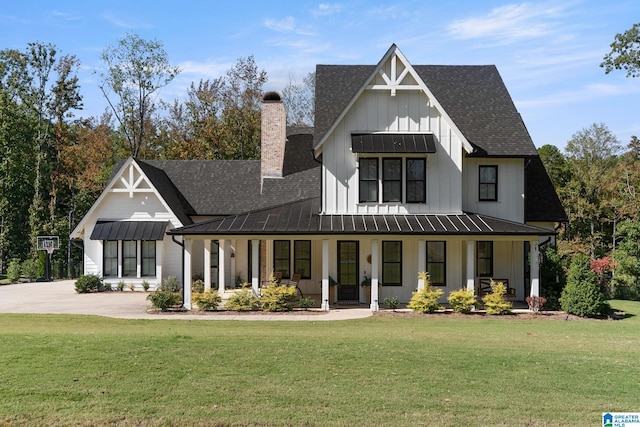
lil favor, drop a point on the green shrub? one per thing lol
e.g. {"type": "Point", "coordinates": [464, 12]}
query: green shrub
{"type": "Point", "coordinates": [88, 283]}
{"type": "Point", "coordinates": [278, 298]}
{"type": "Point", "coordinates": [207, 300]}
{"type": "Point", "coordinates": [146, 285]}
{"type": "Point", "coordinates": [306, 303]}
{"type": "Point", "coordinates": [496, 302]}
{"type": "Point", "coordinates": [107, 287]}
{"type": "Point", "coordinates": [243, 300]}
{"type": "Point", "coordinates": [425, 300]}
{"type": "Point", "coordinates": [121, 285]}
{"type": "Point", "coordinates": [170, 284]}
{"type": "Point", "coordinates": [391, 303]}
{"type": "Point", "coordinates": [164, 300]}
{"type": "Point", "coordinates": [29, 269]}
{"type": "Point", "coordinates": [462, 300]}
{"type": "Point", "coordinates": [13, 270]}
{"type": "Point", "coordinates": [197, 287]}
{"type": "Point", "coordinates": [582, 295]}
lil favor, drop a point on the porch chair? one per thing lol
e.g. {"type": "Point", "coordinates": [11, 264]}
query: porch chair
{"type": "Point", "coordinates": [484, 287]}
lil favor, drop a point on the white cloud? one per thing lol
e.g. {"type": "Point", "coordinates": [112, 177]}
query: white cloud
{"type": "Point", "coordinates": [123, 23]}
{"type": "Point", "coordinates": [325, 9]}
{"type": "Point", "coordinates": [65, 16]}
{"type": "Point", "coordinates": [508, 23]}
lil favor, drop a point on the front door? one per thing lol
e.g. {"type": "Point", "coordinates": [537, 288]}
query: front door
{"type": "Point", "coordinates": [348, 270]}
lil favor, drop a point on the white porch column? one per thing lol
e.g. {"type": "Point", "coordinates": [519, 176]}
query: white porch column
{"type": "Point", "coordinates": [186, 280]}
{"type": "Point", "coordinates": [422, 261]}
{"type": "Point", "coordinates": [471, 260]}
{"type": "Point", "coordinates": [159, 261]}
{"type": "Point", "coordinates": [221, 261]}
{"type": "Point", "coordinates": [255, 265]}
{"type": "Point", "coordinates": [207, 264]}
{"type": "Point", "coordinates": [374, 276]}
{"type": "Point", "coordinates": [535, 268]}
{"type": "Point", "coordinates": [325, 275]}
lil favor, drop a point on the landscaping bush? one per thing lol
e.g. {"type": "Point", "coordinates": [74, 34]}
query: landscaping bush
{"type": "Point", "coordinates": [121, 285]}
{"type": "Point", "coordinates": [535, 303]}
{"type": "Point", "coordinates": [170, 284]}
{"type": "Point", "coordinates": [13, 270]}
{"type": "Point", "coordinates": [278, 298]}
{"type": "Point", "coordinates": [197, 287]}
{"type": "Point", "coordinates": [583, 295]}
{"type": "Point", "coordinates": [243, 300]}
{"type": "Point", "coordinates": [425, 300]}
{"type": "Point", "coordinates": [29, 269]}
{"type": "Point", "coordinates": [88, 283]}
{"type": "Point", "coordinates": [164, 300]}
{"type": "Point", "coordinates": [496, 302]}
{"type": "Point", "coordinates": [306, 303]}
{"type": "Point", "coordinates": [462, 300]}
{"type": "Point", "coordinates": [207, 300]}
{"type": "Point", "coordinates": [391, 303]}
{"type": "Point", "coordinates": [145, 285]}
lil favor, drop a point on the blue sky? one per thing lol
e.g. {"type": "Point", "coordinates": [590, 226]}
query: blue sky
{"type": "Point", "coordinates": [548, 52]}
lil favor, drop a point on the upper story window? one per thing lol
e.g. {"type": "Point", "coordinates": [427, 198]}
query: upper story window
{"type": "Point", "coordinates": [416, 181]}
{"type": "Point", "coordinates": [368, 180]}
{"type": "Point", "coordinates": [392, 180]}
{"type": "Point", "coordinates": [400, 181]}
{"type": "Point", "coordinates": [488, 183]}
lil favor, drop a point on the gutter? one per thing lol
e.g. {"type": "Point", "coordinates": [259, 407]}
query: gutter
{"type": "Point", "coordinates": [173, 237]}
{"type": "Point", "coordinates": [313, 153]}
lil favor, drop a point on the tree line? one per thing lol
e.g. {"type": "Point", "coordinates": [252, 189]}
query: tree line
{"type": "Point", "coordinates": [53, 165]}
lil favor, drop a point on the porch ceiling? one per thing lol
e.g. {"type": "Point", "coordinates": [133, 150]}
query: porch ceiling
{"type": "Point", "coordinates": [303, 218]}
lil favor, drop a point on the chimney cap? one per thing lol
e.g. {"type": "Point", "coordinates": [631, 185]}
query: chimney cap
{"type": "Point", "coordinates": [271, 96]}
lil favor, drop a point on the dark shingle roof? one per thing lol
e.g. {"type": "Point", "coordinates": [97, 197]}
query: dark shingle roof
{"type": "Point", "coordinates": [475, 98]}
{"type": "Point", "coordinates": [303, 217]}
{"type": "Point", "coordinates": [225, 187]}
{"type": "Point", "coordinates": [542, 202]}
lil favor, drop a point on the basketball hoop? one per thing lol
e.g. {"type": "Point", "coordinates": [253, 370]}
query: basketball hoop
{"type": "Point", "coordinates": [48, 243]}
{"type": "Point", "coordinates": [48, 246]}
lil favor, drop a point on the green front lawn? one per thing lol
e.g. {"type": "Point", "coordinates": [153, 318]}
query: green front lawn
{"type": "Point", "coordinates": [83, 370]}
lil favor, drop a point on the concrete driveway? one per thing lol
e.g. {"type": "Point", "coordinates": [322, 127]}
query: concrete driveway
{"type": "Point", "coordinates": [60, 297]}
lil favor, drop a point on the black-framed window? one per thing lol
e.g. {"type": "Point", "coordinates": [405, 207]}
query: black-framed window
{"type": "Point", "coordinates": [437, 262]}
{"type": "Point", "coordinates": [148, 254]}
{"type": "Point", "coordinates": [302, 258]}
{"type": "Point", "coordinates": [488, 183]}
{"type": "Point", "coordinates": [368, 177]}
{"type": "Point", "coordinates": [484, 258]}
{"type": "Point", "coordinates": [391, 180]}
{"type": "Point", "coordinates": [110, 258]}
{"type": "Point", "coordinates": [214, 253]}
{"type": "Point", "coordinates": [282, 257]}
{"type": "Point", "coordinates": [392, 263]}
{"type": "Point", "coordinates": [129, 258]}
{"type": "Point", "coordinates": [416, 181]}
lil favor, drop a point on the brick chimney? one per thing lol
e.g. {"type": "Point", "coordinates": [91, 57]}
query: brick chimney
{"type": "Point", "coordinates": [274, 136]}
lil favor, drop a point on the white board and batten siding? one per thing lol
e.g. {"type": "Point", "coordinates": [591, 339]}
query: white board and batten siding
{"type": "Point", "coordinates": [377, 111]}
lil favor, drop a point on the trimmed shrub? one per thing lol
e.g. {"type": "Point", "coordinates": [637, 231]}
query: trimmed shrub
{"type": "Point", "coordinates": [13, 270]}
{"type": "Point", "coordinates": [535, 303]}
{"type": "Point", "coordinates": [391, 303]}
{"type": "Point", "coordinates": [243, 300]}
{"type": "Point", "coordinates": [306, 303]}
{"type": "Point", "coordinates": [278, 298]}
{"type": "Point", "coordinates": [121, 285]}
{"type": "Point", "coordinates": [208, 300]}
{"type": "Point", "coordinates": [146, 285]}
{"type": "Point", "coordinates": [197, 287]}
{"type": "Point", "coordinates": [496, 302]}
{"type": "Point", "coordinates": [88, 283]}
{"type": "Point", "coordinates": [462, 300]}
{"type": "Point", "coordinates": [425, 300]}
{"type": "Point", "coordinates": [170, 284]}
{"type": "Point", "coordinates": [164, 300]}
{"type": "Point", "coordinates": [583, 295]}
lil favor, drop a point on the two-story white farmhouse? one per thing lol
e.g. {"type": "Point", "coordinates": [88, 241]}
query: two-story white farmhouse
{"type": "Point", "coordinates": [408, 168]}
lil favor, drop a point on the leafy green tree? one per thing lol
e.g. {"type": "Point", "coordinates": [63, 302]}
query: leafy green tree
{"type": "Point", "coordinates": [625, 53]}
{"type": "Point", "coordinates": [136, 70]}
{"type": "Point", "coordinates": [299, 100]}
{"type": "Point", "coordinates": [582, 295]}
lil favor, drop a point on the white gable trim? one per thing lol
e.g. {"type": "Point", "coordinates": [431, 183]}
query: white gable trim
{"type": "Point", "coordinates": [124, 181]}
{"type": "Point", "coordinates": [393, 84]}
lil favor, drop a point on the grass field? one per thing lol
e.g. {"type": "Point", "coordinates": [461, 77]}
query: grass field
{"type": "Point", "coordinates": [380, 371]}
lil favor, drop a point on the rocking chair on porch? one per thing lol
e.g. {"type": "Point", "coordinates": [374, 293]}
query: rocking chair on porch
{"type": "Point", "coordinates": [485, 287]}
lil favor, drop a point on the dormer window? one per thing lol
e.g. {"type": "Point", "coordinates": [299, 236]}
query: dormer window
{"type": "Point", "coordinates": [391, 180]}
{"type": "Point", "coordinates": [368, 180]}
{"type": "Point", "coordinates": [399, 181]}
{"type": "Point", "coordinates": [416, 181]}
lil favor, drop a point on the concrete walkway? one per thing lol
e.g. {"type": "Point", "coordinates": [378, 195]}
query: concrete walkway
{"type": "Point", "coordinates": [60, 297]}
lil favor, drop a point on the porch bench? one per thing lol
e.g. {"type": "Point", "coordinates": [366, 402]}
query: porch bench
{"type": "Point", "coordinates": [485, 287]}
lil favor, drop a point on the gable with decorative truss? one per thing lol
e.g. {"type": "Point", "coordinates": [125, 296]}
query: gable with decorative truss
{"type": "Point", "coordinates": [131, 181]}
{"type": "Point", "coordinates": [395, 74]}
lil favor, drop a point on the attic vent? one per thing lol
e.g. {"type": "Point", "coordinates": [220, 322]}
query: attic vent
{"type": "Point", "coordinates": [271, 96]}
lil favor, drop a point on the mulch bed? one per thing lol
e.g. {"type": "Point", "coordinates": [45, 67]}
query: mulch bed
{"type": "Point", "coordinates": [524, 315]}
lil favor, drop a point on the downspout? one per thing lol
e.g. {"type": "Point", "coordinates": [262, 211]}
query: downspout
{"type": "Point", "coordinates": [173, 237]}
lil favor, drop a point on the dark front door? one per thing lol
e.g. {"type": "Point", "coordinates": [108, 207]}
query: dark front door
{"type": "Point", "coordinates": [348, 271]}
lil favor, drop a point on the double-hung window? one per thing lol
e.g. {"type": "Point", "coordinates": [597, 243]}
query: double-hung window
{"type": "Point", "coordinates": [437, 262]}
{"type": "Point", "coordinates": [148, 258]}
{"type": "Point", "coordinates": [416, 181]}
{"type": "Point", "coordinates": [368, 171]}
{"type": "Point", "coordinates": [488, 183]}
{"type": "Point", "coordinates": [302, 258]}
{"type": "Point", "coordinates": [391, 180]}
{"type": "Point", "coordinates": [392, 263]}
{"type": "Point", "coordinates": [484, 258]}
{"type": "Point", "coordinates": [282, 257]}
{"type": "Point", "coordinates": [110, 262]}
{"type": "Point", "coordinates": [129, 258]}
